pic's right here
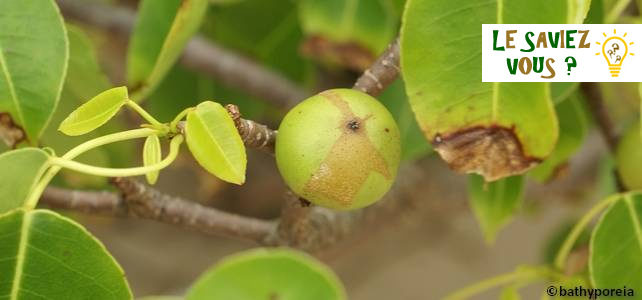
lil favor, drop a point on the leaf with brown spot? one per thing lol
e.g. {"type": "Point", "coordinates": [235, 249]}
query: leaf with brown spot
{"type": "Point", "coordinates": [493, 129]}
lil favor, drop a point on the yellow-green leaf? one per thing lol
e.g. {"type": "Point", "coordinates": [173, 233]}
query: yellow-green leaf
{"type": "Point", "coordinates": [162, 29]}
{"type": "Point", "coordinates": [492, 129]}
{"type": "Point", "coordinates": [152, 155]}
{"type": "Point", "coordinates": [215, 142]}
{"type": "Point", "coordinates": [95, 112]}
{"type": "Point", "coordinates": [48, 256]}
{"type": "Point", "coordinates": [33, 62]}
{"type": "Point", "coordinates": [21, 170]}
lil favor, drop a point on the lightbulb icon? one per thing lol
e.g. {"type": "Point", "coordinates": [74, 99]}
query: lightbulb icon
{"type": "Point", "coordinates": [614, 50]}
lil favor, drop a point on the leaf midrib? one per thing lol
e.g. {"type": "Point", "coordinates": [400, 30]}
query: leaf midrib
{"type": "Point", "coordinates": [20, 257]}
{"type": "Point", "coordinates": [12, 90]}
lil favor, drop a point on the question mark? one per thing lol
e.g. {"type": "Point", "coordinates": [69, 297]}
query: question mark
{"type": "Point", "coordinates": [571, 64]}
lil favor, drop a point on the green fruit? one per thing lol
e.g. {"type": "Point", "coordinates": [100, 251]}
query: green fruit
{"type": "Point", "coordinates": [339, 149]}
{"type": "Point", "coordinates": [628, 158]}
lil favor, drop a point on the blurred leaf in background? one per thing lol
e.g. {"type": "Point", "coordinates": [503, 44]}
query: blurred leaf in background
{"type": "Point", "coordinates": [348, 33]}
{"type": "Point", "coordinates": [413, 143]}
{"type": "Point", "coordinates": [85, 80]}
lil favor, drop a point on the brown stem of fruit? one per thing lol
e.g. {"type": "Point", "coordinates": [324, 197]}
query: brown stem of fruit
{"type": "Point", "coordinates": [253, 134]}
{"type": "Point", "coordinates": [382, 72]}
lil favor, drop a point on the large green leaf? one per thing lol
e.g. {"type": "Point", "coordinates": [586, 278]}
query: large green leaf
{"type": "Point", "coordinates": [215, 142]}
{"type": "Point", "coordinates": [21, 170]}
{"type": "Point", "coordinates": [46, 256]}
{"type": "Point", "coordinates": [616, 246]}
{"type": "Point", "coordinates": [268, 274]}
{"type": "Point", "coordinates": [33, 62]}
{"type": "Point", "coordinates": [493, 129]}
{"type": "Point", "coordinates": [95, 112]}
{"type": "Point", "coordinates": [494, 203]}
{"type": "Point", "coordinates": [162, 29]}
{"type": "Point", "coordinates": [349, 32]}
{"type": "Point", "coordinates": [573, 128]}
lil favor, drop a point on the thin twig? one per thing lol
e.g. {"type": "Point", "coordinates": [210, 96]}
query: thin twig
{"type": "Point", "coordinates": [200, 55]}
{"type": "Point", "coordinates": [382, 73]}
{"type": "Point", "coordinates": [254, 134]}
{"type": "Point", "coordinates": [141, 201]}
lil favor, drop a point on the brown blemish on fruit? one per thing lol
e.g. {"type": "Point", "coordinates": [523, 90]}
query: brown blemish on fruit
{"type": "Point", "coordinates": [10, 133]}
{"type": "Point", "coordinates": [493, 152]}
{"type": "Point", "coordinates": [350, 160]}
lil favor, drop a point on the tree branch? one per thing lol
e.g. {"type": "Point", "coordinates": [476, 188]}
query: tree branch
{"type": "Point", "coordinates": [199, 55]}
{"type": "Point", "coordinates": [382, 73]}
{"type": "Point", "coordinates": [141, 201]}
{"type": "Point", "coordinates": [253, 134]}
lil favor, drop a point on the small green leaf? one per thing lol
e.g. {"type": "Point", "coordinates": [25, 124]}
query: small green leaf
{"type": "Point", "coordinates": [33, 61]}
{"type": "Point", "coordinates": [21, 169]}
{"type": "Point", "coordinates": [268, 274]}
{"type": "Point", "coordinates": [152, 155]}
{"type": "Point", "coordinates": [95, 112]}
{"type": "Point", "coordinates": [162, 29]}
{"type": "Point", "coordinates": [573, 128]}
{"type": "Point", "coordinates": [215, 142]}
{"type": "Point", "coordinates": [616, 246]}
{"type": "Point", "coordinates": [494, 203]}
{"type": "Point", "coordinates": [47, 256]}
{"type": "Point", "coordinates": [160, 298]}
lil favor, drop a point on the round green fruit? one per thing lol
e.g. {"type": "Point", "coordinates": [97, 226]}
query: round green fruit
{"type": "Point", "coordinates": [628, 158]}
{"type": "Point", "coordinates": [339, 149]}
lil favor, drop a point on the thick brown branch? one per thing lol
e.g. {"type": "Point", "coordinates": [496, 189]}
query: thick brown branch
{"type": "Point", "coordinates": [382, 73]}
{"type": "Point", "coordinates": [139, 200]}
{"type": "Point", "coordinates": [199, 55]}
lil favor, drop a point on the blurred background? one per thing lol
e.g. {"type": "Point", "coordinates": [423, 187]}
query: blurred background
{"type": "Point", "coordinates": [436, 248]}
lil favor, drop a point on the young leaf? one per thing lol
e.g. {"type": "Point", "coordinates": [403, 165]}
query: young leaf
{"type": "Point", "coordinates": [573, 128]}
{"type": "Point", "coordinates": [47, 256]}
{"type": "Point", "coordinates": [95, 112]}
{"type": "Point", "coordinates": [268, 274]}
{"type": "Point", "coordinates": [494, 203]}
{"type": "Point", "coordinates": [21, 170]}
{"type": "Point", "coordinates": [510, 293]}
{"type": "Point", "coordinates": [33, 62]}
{"type": "Point", "coordinates": [616, 246]}
{"type": "Point", "coordinates": [161, 31]}
{"type": "Point", "coordinates": [152, 155]}
{"type": "Point", "coordinates": [215, 143]}
{"type": "Point", "coordinates": [493, 129]}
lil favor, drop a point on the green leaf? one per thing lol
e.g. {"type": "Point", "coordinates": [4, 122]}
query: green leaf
{"type": "Point", "coordinates": [561, 91]}
{"type": "Point", "coordinates": [573, 128]}
{"type": "Point", "coordinates": [268, 274]}
{"type": "Point", "coordinates": [161, 297]}
{"type": "Point", "coordinates": [162, 30]}
{"type": "Point", "coordinates": [357, 30]}
{"type": "Point", "coordinates": [21, 169]}
{"type": "Point", "coordinates": [492, 129]}
{"type": "Point", "coordinates": [85, 79]}
{"type": "Point", "coordinates": [215, 142]}
{"type": "Point", "coordinates": [616, 246]}
{"type": "Point", "coordinates": [47, 256]}
{"type": "Point", "coordinates": [628, 158]}
{"type": "Point", "coordinates": [33, 61]}
{"type": "Point", "coordinates": [494, 203]}
{"type": "Point", "coordinates": [95, 112]}
{"type": "Point", "coordinates": [152, 155]}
